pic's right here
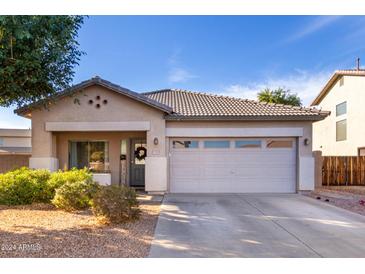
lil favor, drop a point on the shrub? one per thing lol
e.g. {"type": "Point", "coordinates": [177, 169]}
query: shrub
{"type": "Point", "coordinates": [75, 195]}
{"type": "Point", "coordinates": [115, 204]}
{"type": "Point", "coordinates": [24, 186]}
{"type": "Point", "coordinates": [59, 178]}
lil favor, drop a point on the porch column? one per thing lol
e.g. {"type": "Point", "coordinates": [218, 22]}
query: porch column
{"type": "Point", "coordinates": [156, 161]}
{"type": "Point", "coordinates": [43, 147]}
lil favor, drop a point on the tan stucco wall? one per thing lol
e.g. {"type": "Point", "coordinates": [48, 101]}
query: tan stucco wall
{"type": "Point", "coordinates": [324, 132]}
{"type": "Point", "coordinates": [114, 139]}
{"type": "Point", "coordinates": [119, 108]}
{"type": "Point", "coordinates": [77, 109]}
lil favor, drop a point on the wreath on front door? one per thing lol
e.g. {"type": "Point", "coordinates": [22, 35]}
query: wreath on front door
{"type": "Point", "coordinates": [140, 153]}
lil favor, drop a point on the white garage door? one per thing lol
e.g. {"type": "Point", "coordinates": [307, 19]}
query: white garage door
{"type": "Point", "coordinates": [233, 165]}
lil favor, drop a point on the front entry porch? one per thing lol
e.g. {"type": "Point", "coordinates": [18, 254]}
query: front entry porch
{"type": "Point", "coordinates": [130, 153]}
{"type": "Point", "coordinates": [113, 157]}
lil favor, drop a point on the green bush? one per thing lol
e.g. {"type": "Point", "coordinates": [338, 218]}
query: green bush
{"type": "Point", "coordinates": [75, 195]}
{"type": "Point", "coordinates": [24, 186]}
{"type": "Point", "coordinates": [116, 204]}
{"type": "Point", "coordinates": [60, 177]}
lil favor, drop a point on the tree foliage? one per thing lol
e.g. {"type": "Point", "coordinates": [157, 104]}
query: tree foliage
{"type": "Point", "coordinates": [279, 96]}
{"type": "Point", "coordinates": [37, 56]}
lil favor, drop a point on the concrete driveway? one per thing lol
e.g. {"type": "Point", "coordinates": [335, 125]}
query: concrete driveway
{"type": "Point", "coordinates": [256, 225]}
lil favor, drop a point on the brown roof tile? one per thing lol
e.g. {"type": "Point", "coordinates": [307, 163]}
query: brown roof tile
{"type": "Point", "coordinates": [195, 105]}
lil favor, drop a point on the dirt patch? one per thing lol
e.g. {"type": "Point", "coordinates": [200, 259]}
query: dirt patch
{"type": "Point", "coordinates": [349, 200]}
{"type": "Point", "coordinates": [42, 231]}
{"type": "Point", "coordinates": [359, 190]}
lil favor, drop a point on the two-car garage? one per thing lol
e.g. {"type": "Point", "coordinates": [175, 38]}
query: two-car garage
{"type": "Point", "coordinates": [233, 165]}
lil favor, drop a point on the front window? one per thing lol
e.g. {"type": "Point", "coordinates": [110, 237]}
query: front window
{"type": "Point", "coordinates": [341, 130]}
{"type": "Point", "coordinates": [91, 154]}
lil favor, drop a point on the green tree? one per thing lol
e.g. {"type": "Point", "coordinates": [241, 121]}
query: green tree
{"type": "Point", "coordinates": [279, 96]}
{"type": "Point", "coordinates": [37, 56]}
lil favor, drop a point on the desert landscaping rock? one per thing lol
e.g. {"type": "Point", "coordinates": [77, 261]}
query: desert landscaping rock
{"type": "Point", "coordinates": [42, 231]}
{"type": "Point", "coordinates": [348, 198]}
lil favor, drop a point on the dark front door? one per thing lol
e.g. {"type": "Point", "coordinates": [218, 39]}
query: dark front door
{"type": "Point", "coordinates": [138, 152]}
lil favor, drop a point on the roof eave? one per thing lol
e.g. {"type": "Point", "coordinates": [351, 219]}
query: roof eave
{"type": "Point", "coordinates": [331, 82]}
{"type": "Point", "coordinates": [318, 117]}
{"type": "Point", "coordinates": [325, 89]}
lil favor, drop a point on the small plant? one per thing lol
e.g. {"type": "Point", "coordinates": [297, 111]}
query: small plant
{"type": "Point", "coordinates": [115, 204]}
{"type": "Point", "coordinates": [75, 195]}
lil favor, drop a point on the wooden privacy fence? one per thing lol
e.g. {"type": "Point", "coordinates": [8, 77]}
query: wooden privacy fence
{"type": "Point", "coordinates": [343, 171]}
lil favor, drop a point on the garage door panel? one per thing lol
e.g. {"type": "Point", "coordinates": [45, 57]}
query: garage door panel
{"type": "Point", "coordinates": [232, 170]}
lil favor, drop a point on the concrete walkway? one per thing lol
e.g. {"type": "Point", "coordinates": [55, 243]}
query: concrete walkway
{"type": "Point", "coordinates": [256, 225]}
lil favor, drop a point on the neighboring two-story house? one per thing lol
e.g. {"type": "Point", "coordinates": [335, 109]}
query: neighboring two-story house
{"type": "Point", "coordinates": [15, 148]}
{"type": "Point", "coordinates": [342, 133]}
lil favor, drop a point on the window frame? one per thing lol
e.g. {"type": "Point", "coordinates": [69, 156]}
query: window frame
{"type": "Point", "coordinates": [280, 140]}
{"type": "Point", "coordinates": [216, 140]}
{"type": "Point", "coordinates": [242, 140]}
{"type": "Point", "coordinates": [345, 138]}
{"type": "Point", "coordinates": [106, 163]}
{"type": "Point", "coordinates": [184, 140]}
{"type": "Point", "coordinates": [337, 110]}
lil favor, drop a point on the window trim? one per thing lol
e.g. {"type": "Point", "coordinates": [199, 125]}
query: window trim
{"type": "Point", "coordinates": [343, 103]}
{"type": "Point", "coordinates": [337, 140]}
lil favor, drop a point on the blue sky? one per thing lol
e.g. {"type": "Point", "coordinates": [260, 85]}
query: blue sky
{"type": "Point", "coordinates": [232, 55]}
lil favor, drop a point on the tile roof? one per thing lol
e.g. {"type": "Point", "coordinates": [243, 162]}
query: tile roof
{"type": "Point", "coordinates": [195, 105]}
{"type": "Point", "coordinates": [335, 76]}
{"type": "Point", "coordinates": [182, 104]}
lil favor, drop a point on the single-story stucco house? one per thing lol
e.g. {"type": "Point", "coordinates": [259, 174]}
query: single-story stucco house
{"type": "Point", "coordinates": [174, 140]}
{"type": "Point", "coordinates": [15, 148]}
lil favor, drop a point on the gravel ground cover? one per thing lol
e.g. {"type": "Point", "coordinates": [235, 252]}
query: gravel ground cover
{"type": "Point", "coordinates": [350, 199]}
{"type": "Point", "coordinates": [40, 230]}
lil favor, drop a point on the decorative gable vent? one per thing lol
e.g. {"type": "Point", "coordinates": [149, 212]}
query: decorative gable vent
{"type": "Point", "coordinates": [98, 101]}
